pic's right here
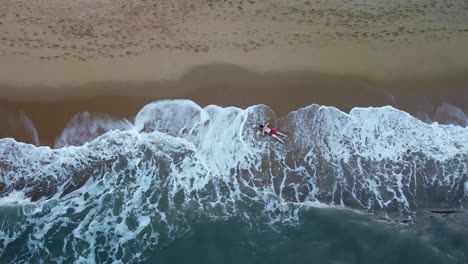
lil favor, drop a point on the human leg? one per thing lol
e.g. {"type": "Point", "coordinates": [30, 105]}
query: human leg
{"type": "Point", "coordinates": [277, 138]}
{"type": "Point", "coordinates": [281, 134]}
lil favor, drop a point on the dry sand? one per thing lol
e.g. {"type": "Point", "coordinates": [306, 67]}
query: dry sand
{"type": "Point", "coordinates": [64, 42]}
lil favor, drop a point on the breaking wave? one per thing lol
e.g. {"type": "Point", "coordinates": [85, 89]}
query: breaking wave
{"type": "Point", "coordinates": [121, 189]}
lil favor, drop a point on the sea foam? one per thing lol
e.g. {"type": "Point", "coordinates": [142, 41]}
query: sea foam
{"type": "Point", "coordinates": [124, 190]}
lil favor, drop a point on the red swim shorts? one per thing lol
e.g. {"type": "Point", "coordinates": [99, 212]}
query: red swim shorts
{"type": "Point", "coordinates": [273, 132]}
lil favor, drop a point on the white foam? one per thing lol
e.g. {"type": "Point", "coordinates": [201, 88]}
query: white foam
{"type": "Point", "coordinates": [377, 133]}
{"type": "Point", "coordinates": [84, 127]}
{"type": "Point", "coordinates": [451, 114]}
{"type": "Point", "coordinates": [15, 198]}
{"type": "Point", "coordinates": [182, 164]}
{"type": "Point", "coordinates": [19, 124]}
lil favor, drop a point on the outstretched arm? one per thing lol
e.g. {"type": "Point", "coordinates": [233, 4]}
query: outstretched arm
{"type": "Point", "coordinates": [263, 129]}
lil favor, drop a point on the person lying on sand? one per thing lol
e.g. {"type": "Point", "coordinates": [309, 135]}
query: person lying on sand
{"type": "Point", "coordinates": [272, 132]}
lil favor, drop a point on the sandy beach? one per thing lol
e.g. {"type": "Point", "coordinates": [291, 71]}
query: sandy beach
{"type": "Point", "coordinates": [66, 43]}
{"type": "Point", "coordinates": [95, 167]}
{"type": "Point", "coordinates": [58, 58]}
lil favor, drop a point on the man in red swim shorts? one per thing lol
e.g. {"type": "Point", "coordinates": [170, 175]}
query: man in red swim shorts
{"type": "Point", "coordinates": [272, 132]}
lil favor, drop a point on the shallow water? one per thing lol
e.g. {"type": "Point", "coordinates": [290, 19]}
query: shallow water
{"type": "Point", "coordinates": [203, 181]}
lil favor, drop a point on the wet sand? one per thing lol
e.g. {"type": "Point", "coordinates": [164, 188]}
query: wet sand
{"type": "Point", "coordinates": [58, 58]}
{"type": "Point", "coordinates": [225, 85]}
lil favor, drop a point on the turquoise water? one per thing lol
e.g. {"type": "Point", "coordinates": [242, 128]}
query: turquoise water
{"type": "Point", "coordinates": [323, 236]}
{"type": "Point", "coordinates": [185, 184]}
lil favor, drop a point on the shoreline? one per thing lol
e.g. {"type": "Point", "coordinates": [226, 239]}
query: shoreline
{"type": "Point", "coordinates": [215, 76]}
{"type": "Point", "coordinates": [64, 57]}
{"type": "Point", "coordinates": [226, 85]}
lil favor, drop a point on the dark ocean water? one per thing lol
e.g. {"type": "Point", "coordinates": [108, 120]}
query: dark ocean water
{"type": "Point", "coordinates": [188, 184]}
{"type": "Point", "coordinates": [323, 236]}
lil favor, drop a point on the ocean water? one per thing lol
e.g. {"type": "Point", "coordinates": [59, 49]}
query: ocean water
{"type": "Point", "coordinates": [180, 183]}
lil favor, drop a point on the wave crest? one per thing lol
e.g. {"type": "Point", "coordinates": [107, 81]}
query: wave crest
{"type": "Point", "coordinates": [182, 164]}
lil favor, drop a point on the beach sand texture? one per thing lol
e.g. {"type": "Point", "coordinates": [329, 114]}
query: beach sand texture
{"type": "Point", "coordinates": [95, 165]}
{"type": "Point", "coordinates": [59, 43]}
